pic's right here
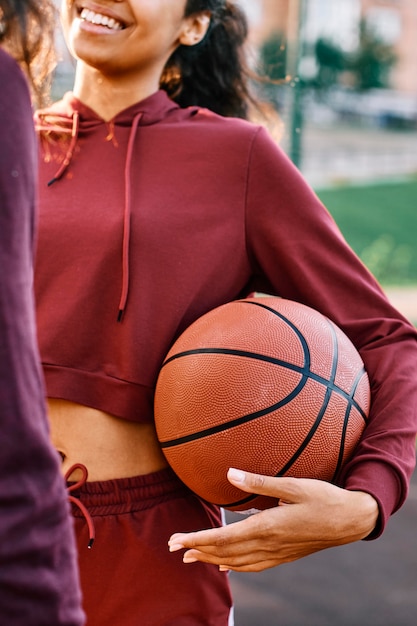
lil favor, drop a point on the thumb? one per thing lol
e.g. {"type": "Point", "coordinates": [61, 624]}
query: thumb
{"type": "Point", "coordinates": [284, 488]}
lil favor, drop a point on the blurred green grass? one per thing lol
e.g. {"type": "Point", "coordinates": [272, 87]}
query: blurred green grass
{"type": "Point", "coordinates": [379, 221]}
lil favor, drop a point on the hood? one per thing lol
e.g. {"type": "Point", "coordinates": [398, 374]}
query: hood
{"type": "Point", "coordinates": [153, 109]}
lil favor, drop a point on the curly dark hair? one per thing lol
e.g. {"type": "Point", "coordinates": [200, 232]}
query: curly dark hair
{"type": "Point", "coordinates": [214, 73]}
{"type": "Point", "coordinates": [27, 30]}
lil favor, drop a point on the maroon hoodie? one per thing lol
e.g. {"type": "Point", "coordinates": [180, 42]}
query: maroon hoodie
{"type": "Point", "coordinates": [38, 577]}
{"type": "Point", "coordinates": [164, 213]}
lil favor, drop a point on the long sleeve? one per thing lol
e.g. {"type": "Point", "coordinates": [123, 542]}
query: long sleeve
{"type": "Point", "coordinates": [299, 253]}
{"type": "Point", "coordinates": [38, 574]}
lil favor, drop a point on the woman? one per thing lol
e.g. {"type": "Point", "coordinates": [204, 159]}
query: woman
{"type": "Point", "coordinates": [38, 577]}
{"type": "Point", "coordinates": [155, 211]}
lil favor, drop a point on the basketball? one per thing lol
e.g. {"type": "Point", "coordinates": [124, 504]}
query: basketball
{"type": "Point", "coordinates": [266, 385]}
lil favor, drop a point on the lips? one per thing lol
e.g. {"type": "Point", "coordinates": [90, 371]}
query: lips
{"type": "Point", "coordinates": [99, 19]}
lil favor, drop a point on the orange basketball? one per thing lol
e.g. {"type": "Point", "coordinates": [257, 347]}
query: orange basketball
{"type": "Point", "coordinates": [265, 385]}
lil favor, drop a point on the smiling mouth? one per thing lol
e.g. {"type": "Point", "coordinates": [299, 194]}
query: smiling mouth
{"type": "Point", "coordinates": [100, 20]}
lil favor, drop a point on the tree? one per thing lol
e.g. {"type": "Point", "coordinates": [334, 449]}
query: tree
{"type": "Point", "coordinates": [331, 61]}
{"type": "Point", "coordinates": [272, 69]}
{"type": "Point", "coordinates": [273, 57]}
{"type": "Point", "coordinates": [369, 65]}
{"type": "Point", "coordinates": [372, 61]}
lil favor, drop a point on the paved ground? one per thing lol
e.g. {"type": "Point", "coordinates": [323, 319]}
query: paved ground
{"type": "Point", "coordinates": [363, 584]}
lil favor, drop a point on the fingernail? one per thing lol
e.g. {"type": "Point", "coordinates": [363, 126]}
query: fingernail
{"type": "Point", "coordinates": [237, 475]}
{"type": "Point", "coordinates": [173, 547]}
{"type": "Point", "coordinates": [223, 568]}
{"type": "Point", "coordinates": [189, 559]}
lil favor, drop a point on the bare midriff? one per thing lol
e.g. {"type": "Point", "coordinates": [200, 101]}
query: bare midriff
{"type": "Point", "coordinates": [109, 447]}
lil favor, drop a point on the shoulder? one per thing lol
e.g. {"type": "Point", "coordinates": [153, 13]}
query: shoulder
{"type": "Point", "coordinates": [226, 133]}
{"type": "Point", "coordinates": [15, 102]}
{"type": "Point", "coordinates": [12, 75]}
{"type": "Point", "coordinates": [18, 140]}
{"type": "Point", "coordinates": [204, 118]}
{"type": "Point", "coordinates": [7, 63]}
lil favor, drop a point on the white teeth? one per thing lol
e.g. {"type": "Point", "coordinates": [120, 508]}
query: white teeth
{"type": "Point", "coordinates": [103, 20]}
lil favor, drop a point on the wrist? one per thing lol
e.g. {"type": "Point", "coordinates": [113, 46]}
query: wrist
{"type": "Point", "coordinates": [365, 514]}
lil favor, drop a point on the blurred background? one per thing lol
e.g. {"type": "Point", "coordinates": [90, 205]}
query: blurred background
{"type": "Point", "coordinates": [345, 86]}
{"type": "Point", "coordinates": [343, 83]}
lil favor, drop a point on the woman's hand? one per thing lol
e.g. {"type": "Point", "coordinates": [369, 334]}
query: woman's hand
{"type": "Point", "coordinates": [312, 515]}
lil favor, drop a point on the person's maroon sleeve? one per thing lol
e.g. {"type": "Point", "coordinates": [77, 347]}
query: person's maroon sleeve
{"type": "Point", "coordinates": [298, 253]}
{"type": "Point", "coordinates": [38, 573]}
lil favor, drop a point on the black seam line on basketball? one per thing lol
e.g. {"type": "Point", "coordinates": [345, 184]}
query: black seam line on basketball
{"type": "Point", "coordinates": [324, 381]}
{"type": "Point", "coordinates": [335, 353]}
{"type": "Point", "coordinates": [342, 442]}
{"type": "Point", "coordinates": [296, 454]}
{"type": "Point", "coordinates": [309, 436]}
{"type": "Point", "coordinates": [304, 344]}
{"type": "Point", "coordinates": [355, 385]}
{"type": "Point", "coordinates": [303, 371]}
{"type": "Point", "coordinates": [244, 419]}
{"type": "Point", "coordinates": [301, 337]}
{"type": "Point", "coordinates": [297, 331]}
{"type": "Point", "coordinates": [349, 397]}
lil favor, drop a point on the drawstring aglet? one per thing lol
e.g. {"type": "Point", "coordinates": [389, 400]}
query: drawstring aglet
{"type": "Point", "coordinates": [88, 519]}
{"type": "Point", "coordinates": [77, 502]}
{"type": "Point", "coordinates": [70, 151]}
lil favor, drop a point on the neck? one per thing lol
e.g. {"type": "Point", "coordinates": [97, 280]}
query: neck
{"type": "Point", "coordinates": [108, 95]}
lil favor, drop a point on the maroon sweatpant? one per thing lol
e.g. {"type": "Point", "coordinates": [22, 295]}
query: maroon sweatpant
{"type": "Point", "coordinates": [128, 577]}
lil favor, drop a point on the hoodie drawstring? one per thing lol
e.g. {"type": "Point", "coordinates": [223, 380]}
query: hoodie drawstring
{"type": "Point", "coordinates": [72, 487]}
{"type": "Point", "coordinates": [127, 203]}
{"type": "Point", "coordinates": [126, 218]}
{"type": "Point", "coordinates": [71, 148]}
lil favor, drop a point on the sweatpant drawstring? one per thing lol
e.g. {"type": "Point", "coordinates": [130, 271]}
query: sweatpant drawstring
{"type": "Point", "coordinates": [72, 487]}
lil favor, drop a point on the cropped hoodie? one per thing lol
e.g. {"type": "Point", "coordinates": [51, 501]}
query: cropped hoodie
{"type": "Point", "coordinates": [154, 218]}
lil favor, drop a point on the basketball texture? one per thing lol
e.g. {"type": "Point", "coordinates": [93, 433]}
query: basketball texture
{"type": "Point", "coordinates": [265, 385]}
